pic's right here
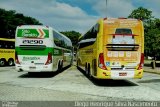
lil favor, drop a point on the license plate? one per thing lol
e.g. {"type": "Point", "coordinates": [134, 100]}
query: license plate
{"type": "Point", "coordinates": [32, 67]}
{"type": "Point", "coordinates": [123, 74]}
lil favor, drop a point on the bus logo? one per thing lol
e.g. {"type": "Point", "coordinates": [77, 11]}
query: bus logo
{"type": "Point", "coordinates": [28, 33]}
{"type": "Point", "coordinates": [33, 33]}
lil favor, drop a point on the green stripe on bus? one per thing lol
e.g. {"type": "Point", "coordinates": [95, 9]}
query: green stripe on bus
{"type": "Point", "coordinates": [33, 33]}
{"type": "Point", "coordinates": [43, 52]}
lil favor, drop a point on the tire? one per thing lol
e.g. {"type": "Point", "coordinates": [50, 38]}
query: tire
{"type": "Point", "coordinates": [78, 63]}
{"type": "Point", "coordinates": [10, 62]}
{"type": "Point", "coordinates": [59, 66]}
{"type": "Point", "coordinates": [86, 69]}
{"type": "Point", "coordinates": [89, 70]}
{"type": "Point", "coordinates": [2, 62]}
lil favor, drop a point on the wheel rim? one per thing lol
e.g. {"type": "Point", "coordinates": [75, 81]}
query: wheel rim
{"type": "Point", "coordinates": [2, 63]}
{"type": "Point", "coordinates": [10, 62]}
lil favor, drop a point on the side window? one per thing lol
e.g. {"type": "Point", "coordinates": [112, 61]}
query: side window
{"type": "Point", "coordinates": [92, 33]}
{"type": "Point", "coordinates": [61, 41]}
{"type": "Point", "coordinates": [1, 44]}
{"type": "Point", "coordinates": [7, 44]}
{"type": "Point", "coordinates": [64, 42]}
{"type": "Point", "coordinates": [90, 37]}
{"type": "Point", "coordinates": [81, 45]}
{"type": "Point", "coordinates": [96, 28]}
{"type": "Point", "coordinates": [86, 42]}
{"type": "Point", "coordinates": [57, 39]}
{"type": "Point", "coordinates": [10, 45]}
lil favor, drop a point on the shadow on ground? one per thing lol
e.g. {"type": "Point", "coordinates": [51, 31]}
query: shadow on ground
{"type": "Point", "coordinates": [149, 81]}
{"type": "Point", "coordinates": [42, 74]}
{"type": "Point", "coordinates": [108, 82]}
{"type": "Point", "coordinates": [114, 83]}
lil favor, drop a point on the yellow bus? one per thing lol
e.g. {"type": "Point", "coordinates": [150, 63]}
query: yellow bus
{"type": "Point", "coordinates": [7, 51]}
{"type": "Point", "coordinates": [112, 49]}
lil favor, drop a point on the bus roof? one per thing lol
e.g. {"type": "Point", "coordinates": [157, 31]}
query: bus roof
{"type": "Point", "coordinates": [122, 22]}
{"type": "Point", "coordinates": [33, 26]}
{"type": "Point", "coordinates": [119, 18]}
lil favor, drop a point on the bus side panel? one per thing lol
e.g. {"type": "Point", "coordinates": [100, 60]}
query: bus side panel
{"type": "Point", "coordinates": [7, 51]}
{"type": "Point", "coordinates": [67, 57]}
{"type": "Point", "coordinates": [99, 49]}
{"type": "Point", "coordinates": [139, 73]}
{"type": "Point", "coordinates": [57, 57]}
{"type": "Point", "coordinates": [7, 54]}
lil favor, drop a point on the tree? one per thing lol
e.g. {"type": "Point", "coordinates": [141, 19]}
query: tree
{"type": "Point", "coordinates": [151, 32]}
{"type": "Point", "coordinates": [152, 29]}
{"type": "Point", "coordinates": [9, 20]}
{"type": "Point", "coordinates": [142, 14]}
{"type": "Point", "coordinates": [73, 35]}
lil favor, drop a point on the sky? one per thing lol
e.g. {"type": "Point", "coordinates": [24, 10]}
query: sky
{"type": "Point", "coordinates": [77, 15]}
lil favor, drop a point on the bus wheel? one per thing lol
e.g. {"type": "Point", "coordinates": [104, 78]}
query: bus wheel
{"type": "Point", "coordinates": [10, 62]}
{"type": "Point", "coordinates": [2, 62]}
{"type": "Point", "coordinates": [77, 64]}
{"type": "Point", "coordinates": [59, 66]}
{"type": "Point", "coordinates": [89, 71]}
{"type": "Point", "coordinates": [78, 61]}
{"type": "Point", "coordinates": [86, 70]}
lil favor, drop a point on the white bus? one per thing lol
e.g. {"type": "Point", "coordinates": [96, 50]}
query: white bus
{"type": "Point", "coordinates": [41, 49]}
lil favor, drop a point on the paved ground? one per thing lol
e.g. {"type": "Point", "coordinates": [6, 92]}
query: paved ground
{"type": "Point", "coordinates": [72, 85]}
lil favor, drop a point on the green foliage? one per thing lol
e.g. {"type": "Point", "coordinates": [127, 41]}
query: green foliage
{"type": "Point", "coordinates": [152, 30]}
{"type": "Point", "coordinates": [9, 20]}
{"type": "Point", "coordinates": [153, 39]}
{"type": "Point", "coordinates": [141, 13]}
{"type": "Point", "coordinates": [73, 35]}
